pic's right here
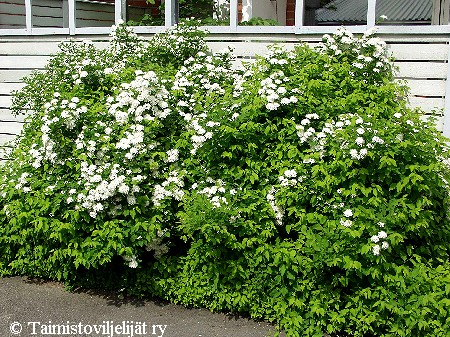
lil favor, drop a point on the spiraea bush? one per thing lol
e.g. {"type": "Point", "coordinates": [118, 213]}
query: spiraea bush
{"type": "Point", "coordinates": [299, 189]}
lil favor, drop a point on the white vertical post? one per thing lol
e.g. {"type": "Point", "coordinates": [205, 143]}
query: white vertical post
{"type": "Point", "coordinates": [28, 16]}
{"type": "Point", "coordinates": [299, 16]}
{"type": "Point", "coordinates": [119, 10]}
{"type": "Point", "coordinates": [371, 13]}
{"type": "Point", "coordinates": [234, 14]}
{"type": "Point", "coordinates": [72, 17]}
{"type": "Point", "coordinates": [170, 15]}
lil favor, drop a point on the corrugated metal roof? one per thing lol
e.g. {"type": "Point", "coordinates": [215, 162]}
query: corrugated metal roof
{"type": "Point", "coordinates": [395, 10]}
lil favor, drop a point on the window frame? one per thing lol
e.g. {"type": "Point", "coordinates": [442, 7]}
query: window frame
{"type": "Point", "coordinates": [233, 27]}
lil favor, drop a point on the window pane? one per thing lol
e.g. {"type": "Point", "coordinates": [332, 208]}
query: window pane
{"type": "Point", "coordinates": [209, 12]}
{"type": "Point", "coordinates": [12, 14]}
{"type": "Point", "coordinates": [336, 13]}
{"type": "Point", "coordinates": [143, 13]}
{"type": "Point", "coordinates": [49, 13]}
{"type": "Point", "coordinates": [94, 13]}
{"type": "Point", "coordinates": [266, 12]}
{"type": "Point", "coordinates": [404, 12]}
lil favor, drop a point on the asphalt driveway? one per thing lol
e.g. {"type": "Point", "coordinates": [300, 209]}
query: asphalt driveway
{"type": "Point", "coordinates": [34, 308]}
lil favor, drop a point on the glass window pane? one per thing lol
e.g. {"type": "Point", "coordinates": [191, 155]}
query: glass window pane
{"type": "Point", "coordinates": [94, 13]}
{"type": "Point", "coordinates": [49, 13]}
{"type": "Point", "coordinates": [404, 12]}
{"type": "Point", "coordinates": [336, 13]}
{"type": "Point", "coordinates": [144, 13]}
{"type": "Point", "coordinates": [209, 12]}
{"type": "Point", "coordinates": [266, 12]}
{"type": "Point", "coordinates": [12, 14]}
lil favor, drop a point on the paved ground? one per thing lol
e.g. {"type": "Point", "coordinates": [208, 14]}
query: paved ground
{"type": "Point", "coordinates": [32, 308]}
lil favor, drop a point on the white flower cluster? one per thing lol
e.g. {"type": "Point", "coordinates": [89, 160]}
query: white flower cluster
{"type": "Point", "coordinates": [371, 53]}
{"type": "Point", "coordinates": [201, 77]}
{"type": "Point", "coordinates": [289, 178]}
{"type": "Point", "coordinates": [81, 60]}
{"type": "Point", "coordinates": [107, 178]}
{"type": "Point", "coordinates": [274, 91]}
{"type": "Point", "coordinates": [172, 187]}
{"type": "Point", "coordinates": [365, 138]}
{"type": "Point", "coordinates": [98, 190]}
{"type": "Point", "coordinates": [273, 204]}
{"type": "Point", "coordinates": [201, 135]}
{"type": "Point", "coordinates": [346, 221]}
{"type": "Point", "coordinates": [179, 40]}
{"type": "Point", "coordinates": [59, 113]}
{"type": "Point", "coordinates": [318, 139]}
{"type": "Point", "coordinates": [277, 55]}
{"type": "Point", "coordinates": [380, 240]}
{"type": "Point", "coordinates": [22, 183]}
{"type": "Point", "coordinates": [145, 98]}
{"type": "Point", "coordinates": [132, 261]}
{"type": "Point", "coordinates": [215, 192]}
{"type": "Point", "coordinates": [133, 46]}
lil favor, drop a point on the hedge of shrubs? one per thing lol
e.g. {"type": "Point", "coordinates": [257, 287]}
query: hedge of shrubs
{"type": "Point", "coordinates": [298, 189]}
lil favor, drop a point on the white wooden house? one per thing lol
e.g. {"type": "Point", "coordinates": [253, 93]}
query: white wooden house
{"type": "Point", "coordinates": [30, 31]}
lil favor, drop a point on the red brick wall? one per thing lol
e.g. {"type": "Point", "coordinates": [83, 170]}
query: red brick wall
{"type": "Point", "coordinates": [290, 13]}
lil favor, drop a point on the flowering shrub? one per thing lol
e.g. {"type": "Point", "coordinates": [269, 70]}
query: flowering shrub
{"type": "Point", "coordinates": [299, 189]}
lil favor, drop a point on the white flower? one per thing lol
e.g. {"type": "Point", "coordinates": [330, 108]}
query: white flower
{"type": "Point", "coordinates": [346, 222]}
{"type": "Point", "coordinates": [385, 245]}
{"type": "Point", "coordinates": [382, 235]}
{"type": "Point", "coordinates": [359, 141]}
{"type": "Point", "coordinates": [376, 250]}
{"type": "Point", "coordinates": [348, 213]}
{"type": "Point", "coordinates": [375, 239]}
{"type": "Point", "coordinates": [381, 224]}
{"type": "Point", "coordinates": [377, 139]}
{"type": "Point", "coordinates": [290, 173]}
{"type": "Point", "coordinates": [124, 189]}
{"type": "Point", "coordinates": [397, 115]}
{"type": "Point", "coordinates": [172, 156]}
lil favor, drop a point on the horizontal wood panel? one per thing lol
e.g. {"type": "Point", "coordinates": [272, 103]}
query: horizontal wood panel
{"type": "Point", "coordinates": [93, 23]}
{"type": "Point", "coordinates": [422, 70]}
{"type": "Point", "coordinates": [426, 104]}
{"type": "Point", "coordinates": [91, 6]}
{"type": "Point", "coordinates": [11, 128]}
{"type": "Point", "coordinates": [39, 22]}
{"type": "Point", "coordinates": [426, 87]}
{"type": "Point", "coordinates": [95, 16]}
{"type": "Point", "coordinates": [12, 20]}
{"type": "Point", "coordinates": [7, 88]}
{"type": "Point", "coordinates": [53, 11]}
{"type": "Point", "coordinates": [12, 9]}
{"type": "Point", "coordinates": [48, 3]}
{"type": "Point", "coordinates": [6, 138]}
{"type": "Point", "coordinates": [439, 121]}
{"type": "Point", "coordinates": [421, 52]}
{"type": "Point", "coordinates": [20, 2]}
{"type": "Point", "coordinates": [23, 62]}
{"type": "Point", "coordinates": [7, 116]}
{"type": "Point", "coordinates": [13, 75]}
{"type": "Point", "coordinates": [5, 102]}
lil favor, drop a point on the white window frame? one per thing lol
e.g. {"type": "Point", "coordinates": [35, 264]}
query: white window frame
{"type": "Point", "coordinates": [170, 20]}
